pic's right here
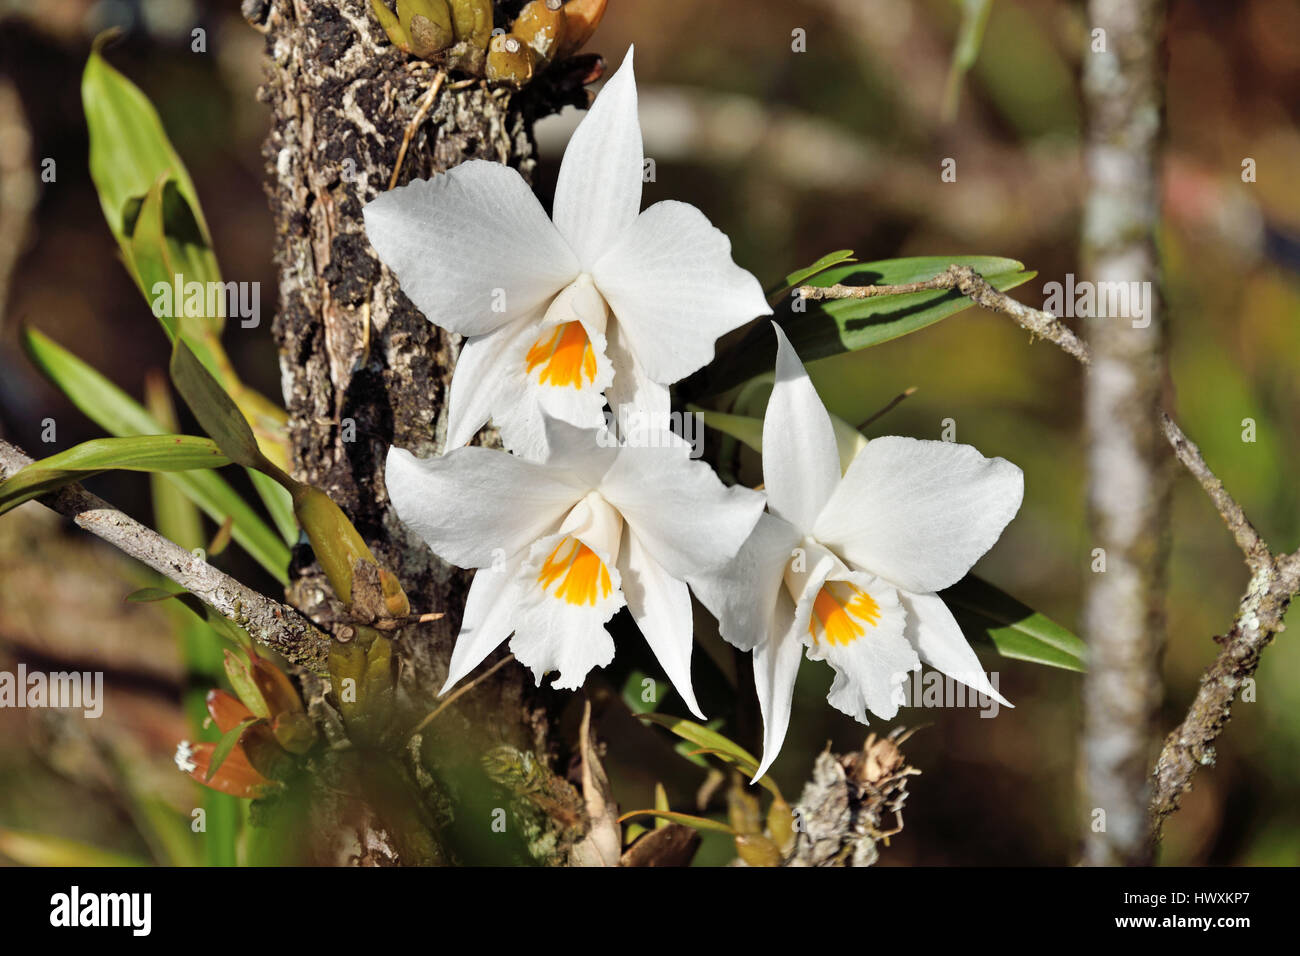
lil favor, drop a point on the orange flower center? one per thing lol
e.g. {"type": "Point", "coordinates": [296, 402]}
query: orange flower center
{"type": "Point", "coordinates": [844, 613]}
{"type": "Point", "coordinates": [577, 573]}
{"type": "Point", "coordinates": [565, 357]}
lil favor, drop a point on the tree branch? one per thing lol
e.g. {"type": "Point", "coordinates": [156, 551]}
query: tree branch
{"type": "Point", "coordinates": [1274, 583]}
{"type": "Point", "coordinates": [269, 622]}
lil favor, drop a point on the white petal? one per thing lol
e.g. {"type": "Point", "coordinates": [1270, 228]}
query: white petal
{"type": "Point", "coordinates": [487, 621]}
{"type": "Point", "coordinates": [584, 455]}
{"type": "Point", "coordinates": [633, 392]}
{"type": "Point", "coordinates": [531, 397]}
{"type": "Point", "coordinates": [598, 192]}
{"type": "Point", "coordinates": [482, 381]}
{"type": "Point", "coordinates": [472, 247]}
{"type": "Point", "coordinates": [661, 607]}
{"type": "Point", "coordinates": [776, 666]}
{"type": "Point", "coordinates": [673, 288]}
{"type": "Point", "coordinates": [872, 660]}
{"type": "Point", "coordinates": [938, 639]}
{"type": "Point", "coordinates": [474, 506]}
{"type": "Point", "coordinates": [742, 595]}
{"type": "Point", "coordinates": [801, 461]}
{"type": "Point", "coordinates": [554, 634]}
{"type": "Point", "coordinates": [685, 517]}
{"type": "Point", "coordinates": [919, 513]}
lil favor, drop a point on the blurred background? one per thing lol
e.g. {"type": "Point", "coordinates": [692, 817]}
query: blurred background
{"type": "Point", "coordinates": [792, 154]}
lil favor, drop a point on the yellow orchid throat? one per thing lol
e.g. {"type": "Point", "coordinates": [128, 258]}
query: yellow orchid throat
{"type": "Point", "coordinates": [565, 356]}
{"type": "Point", "coordinates": [844, 612]}
{"type": "Point", "coordinates": [577, 572]}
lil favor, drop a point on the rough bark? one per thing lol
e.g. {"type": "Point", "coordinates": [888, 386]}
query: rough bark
{"type": "Point", "coordinates": [355, 353]}
{"type": "Point", "coordinates": [1128, 467]}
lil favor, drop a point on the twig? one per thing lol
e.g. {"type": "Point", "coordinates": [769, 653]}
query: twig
{"type": "Point", "coordinates": [889, 407]}
{"type": "Point", "coordinates": [971, 284]}
{"type": "Point", "coordinates": [460, 691]}
{"type": "Point", "coordinates": [1275, 580]}
{"type": "Point", "coordinates": [425, 104]}
{"type": "Point", "coordinates": [276, 625]}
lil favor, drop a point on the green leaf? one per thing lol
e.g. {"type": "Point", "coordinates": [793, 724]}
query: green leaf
{"type": "Point", "coordinates": [1017, 631]}
{"type": "Point", "coordinates": [801, 276]}
{"type": "Point", "coordinates": [227, 743]}
{"type": "Point", "coordinates": [167, 252]}
{"type": "Point", "coordinates": [699, 823]}
{"type": "Point", "coordinates": [129, 150]}
{"type": "Point", "coordinates": [974, 18]}
{"type": "Point", "coordinates": [830, 327]}
{"type": "Point", "coordinates": [279, 505]}
{"type": "Point", "coordinates": [217, 414]}
{"type": "Point", "coordinates": [741, 427]}
{"type": "Point", "coordinates": [141, 453]}
{"type": "Point", "coordinates": [118, 414]}
{"type": "Point", "coordinates": [713, 743]}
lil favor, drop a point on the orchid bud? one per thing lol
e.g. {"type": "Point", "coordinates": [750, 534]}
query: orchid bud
{"type": "Point", "coordinates": [472, 21]}
{"type": "Point", "coordinates": [276, 688]}
{"type": "Point", "coordinates": [757, 850]}
{"type": "Point", "coordinates": [542, 25]}
{"type": "Point", "coordinates": [339, 548]}
{"type": "Point", "coordinates": [582, 17]}
{"type": "Point", "coordinates": [510, 61]}
{"type": "Point", "coordinates": [421, 27]}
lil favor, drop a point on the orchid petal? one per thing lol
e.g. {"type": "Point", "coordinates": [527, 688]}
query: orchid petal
{"type": "Point", "coordinates": [919, 513]}
{"type": "Point", "coordinates": [486, 622]}
{"type": "Point", "coordinates": [472, 247]}
{"type": "Point", "coordinates": [801, 462]}
{"type": "Point", "coordinates": [743, 594]}
{"type": "Point", "coordinates": [776, 667]}
{"type": "Point", "coordinates": [598, 192]}
{"type": "Point", "coordinates": [685, 517]}
{"type": "Point", "coordinates": [474, 505]}
{"type": "Point", "coordinates": [661, 607]}
{"type": "Point", "coordinates": [939, 642]}
{"type": "Point", "coordinates": [481, 381]}
{"type": "Point", "coordinates": [674, 289]}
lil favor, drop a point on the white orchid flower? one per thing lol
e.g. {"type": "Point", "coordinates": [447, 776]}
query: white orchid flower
{"type": "Point", "coordinates": [604, 301]}
{"type": "Point", "coordinates": [562, 543]}
{"type": "Point", "coordinates": [846, 565]}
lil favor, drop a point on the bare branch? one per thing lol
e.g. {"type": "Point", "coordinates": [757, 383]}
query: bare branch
{"type": "Point", "coordinates": [276, 625]}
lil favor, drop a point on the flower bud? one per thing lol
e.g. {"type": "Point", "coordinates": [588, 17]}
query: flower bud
{"type": "Point", "coordinates": [510, 61]}
{"type": "Point", "coordinates": [542, 25]}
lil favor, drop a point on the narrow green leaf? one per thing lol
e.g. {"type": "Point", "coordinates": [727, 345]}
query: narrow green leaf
{"type": "Point", "coordinates": [801, 276]}
{"type": "Point", "coordinates": [987, 613]}
{"type": "Point", "coordinates": [279, 504]}
{"type": "Point", "coordinates": [713, 743]}
{"type": "Point", "coordinates": [227, 743]}
{"type": "Point", "coordinates": [217, 414]}
{"type": "Point", "coordinates": [970, 35]}
{"type": "Point", "coordinates": [117, 413]}
{"type": "Point", "coordinates": [699, 823]}
{"type": "Point", "coordinates": [141, 453]}
{"type": "Point", "coordinates": [129, 149]}
{"type": "Point", "coordinates": [743, 428]}
{"type": "Point", "coordinates": [826, 328]}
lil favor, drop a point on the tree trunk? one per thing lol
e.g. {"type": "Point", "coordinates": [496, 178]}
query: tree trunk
{"type": "Point", "coordinates": [1128, 461]}
{"type": "Point", "coordinates": [362, 370]}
